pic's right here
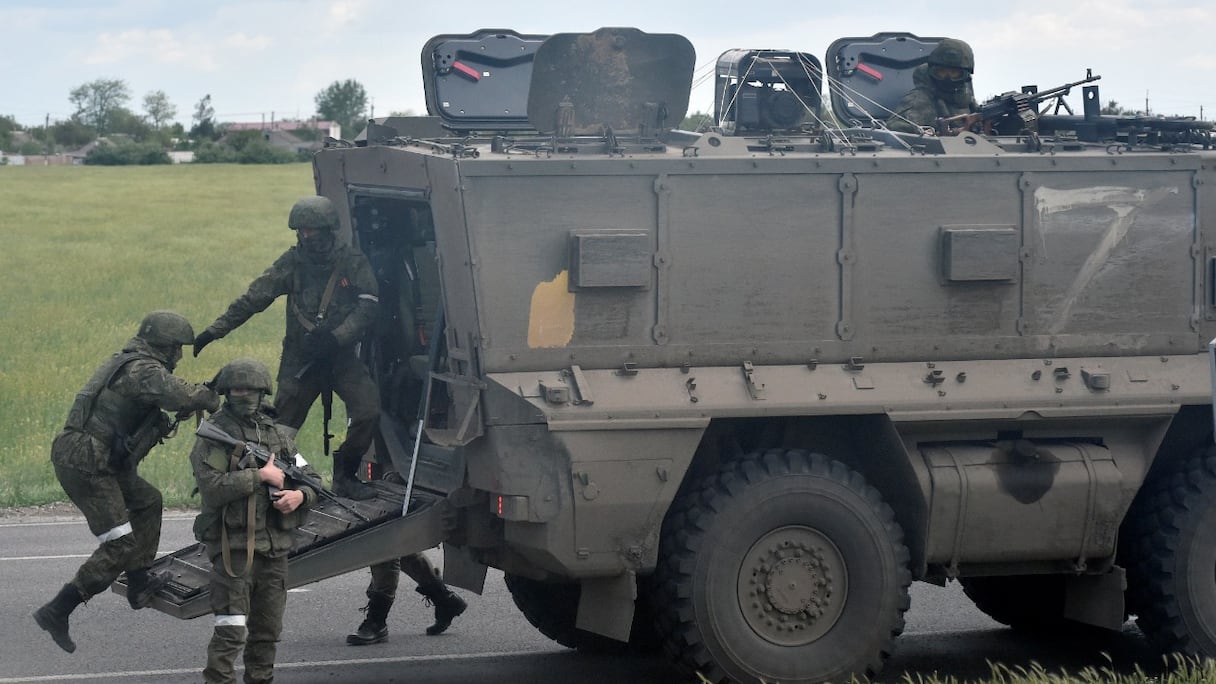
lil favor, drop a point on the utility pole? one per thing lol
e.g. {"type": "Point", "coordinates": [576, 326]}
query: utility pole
{"type": "Point", "coordinates": [1146, 109]}
{"type": "Point", "coordinates": [46, 132]}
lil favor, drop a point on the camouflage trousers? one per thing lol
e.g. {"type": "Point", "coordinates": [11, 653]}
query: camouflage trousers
{"type": "Point", "coordinates": [248, 615]}
{"type": "Point", "coordinates": [124, 513]}
{"type": "Point", "coordinates": [349, 379]}
{"type": "Point", "coordinates": [386, 575]}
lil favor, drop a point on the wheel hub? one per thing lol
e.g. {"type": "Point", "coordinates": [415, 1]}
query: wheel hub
{"type": "Point", "coordinates": [792, 585]}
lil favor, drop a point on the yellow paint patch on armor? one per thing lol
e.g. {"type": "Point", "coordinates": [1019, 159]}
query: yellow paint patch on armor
{"type": "Point", "coordinates": [551, 316]}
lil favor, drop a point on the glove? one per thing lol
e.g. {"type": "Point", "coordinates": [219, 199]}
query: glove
{"type": "Point", "coordinates": [204, 338]}
{"type": "Point", "coordinates": [319, 344]}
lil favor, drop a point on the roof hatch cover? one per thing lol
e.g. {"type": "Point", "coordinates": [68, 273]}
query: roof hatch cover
{"type": "Point", "coordinates": [479, 81]}
{"type": "Point", "coordinates": [618, 78]}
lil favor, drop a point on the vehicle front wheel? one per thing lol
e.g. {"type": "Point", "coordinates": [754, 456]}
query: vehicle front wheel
{"type": "Point", "coordinates": [1171, 554]}
{"type": "Point", "coordinates": [782, 566]}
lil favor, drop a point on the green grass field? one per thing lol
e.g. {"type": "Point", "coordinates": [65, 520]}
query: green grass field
{"type": "Point", "coordinates": [88, 251]}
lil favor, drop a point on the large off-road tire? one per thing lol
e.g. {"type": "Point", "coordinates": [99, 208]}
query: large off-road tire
{"type": "Point", "coordinates": [1170, 551]}
{"type": "Point", "coordinates": [784, 566]}
{"type": "Point", "coordinates": [552, 607]}
{"type": "Point", "coordinates": [1024, 602]}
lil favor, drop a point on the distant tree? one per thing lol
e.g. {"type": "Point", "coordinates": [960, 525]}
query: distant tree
{"type": "Point", "coordinates": [96, 101]}
{"type": "Point", "coordinates": [203, 120]}
{"type": "Point", "coordinates": [346, 103]}
{"type": "Point", "coordinates": [698, 122]}
{"type": "Point", "coordinates": [72, 134]}
{"type": "Point", "coordinates": [127, 122]}
{"type": "Point", "coordinates": [30, 147]}
{"type": "Point", "coordinates": [159, 109]}
{"type": "Point", "coordinates": [1113, 108]}
{"type": "Point", "coordinates": [8, 126]}
{"type": "Point", "coordinates": [124, 153]}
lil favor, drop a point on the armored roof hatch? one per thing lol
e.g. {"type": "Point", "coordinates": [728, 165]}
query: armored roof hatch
{"type": "Point", "coordinates": [479, 81]}
{"type": "Point", "coordinates": [620, 79]}
{"type": "Point", "coordinates": [868, 76]}
{"type": "Point", "coordinates": [765, 91]}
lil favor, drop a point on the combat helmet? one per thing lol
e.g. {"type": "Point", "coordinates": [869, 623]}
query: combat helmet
{"type": "Point", "coordinates": [243, 374]}
{"type": "Point", "coordinates": [165, 329]}
{"type": "Point", "coordinates": [952, 52]}
{"type": "Point", "coordinates": [313, 212]}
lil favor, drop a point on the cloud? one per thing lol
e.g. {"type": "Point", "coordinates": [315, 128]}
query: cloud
{"type": "Point", "coordinates": [1206, 62]}
{"type": "Point", "coordinates": [163, 46]}
{"type": "Point", "coordinates": [247, 43]}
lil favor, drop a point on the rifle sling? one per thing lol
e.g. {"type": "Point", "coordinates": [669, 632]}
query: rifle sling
{"type": "Point", "coordinates": [326, 296]}
{"type": "Point", "coordinates": [250, 520]}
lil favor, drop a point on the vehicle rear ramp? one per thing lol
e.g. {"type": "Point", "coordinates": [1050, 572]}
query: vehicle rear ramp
{"type": "Point", "coordinates": [333, 541]}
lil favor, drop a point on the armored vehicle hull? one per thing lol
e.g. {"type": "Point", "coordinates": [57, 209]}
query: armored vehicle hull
{"type": "Point", "coordinates": [733, 394]}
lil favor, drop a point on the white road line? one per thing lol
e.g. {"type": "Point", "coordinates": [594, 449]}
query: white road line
{"type": "Point", "coordinates": [162, 552]}
{"type": "Point", "coordinates": [80, 521]}
{"type": "Point", "coordinates": [277, 666]}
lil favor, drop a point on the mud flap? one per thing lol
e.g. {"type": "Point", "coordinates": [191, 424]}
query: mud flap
{"type": "Point", "coordinates": [332, 541]}
{"type": "Point", "coordinates": [606, 605]}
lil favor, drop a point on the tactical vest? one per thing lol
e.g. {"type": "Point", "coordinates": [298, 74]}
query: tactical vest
{"type": "Point", "coordinates": [322, 296]}
{"type": "Point", "coordinates": [102, 412]}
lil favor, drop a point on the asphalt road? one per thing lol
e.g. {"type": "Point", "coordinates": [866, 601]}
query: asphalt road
{"type": "Point", "coordinates": [491, 642]}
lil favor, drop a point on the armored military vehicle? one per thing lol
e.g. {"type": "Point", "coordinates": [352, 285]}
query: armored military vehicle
{"type": "Point", "coordinates": [732, 392]}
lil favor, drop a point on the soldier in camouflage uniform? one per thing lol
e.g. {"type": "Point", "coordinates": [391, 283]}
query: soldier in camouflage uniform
{"type": "Point", "coordinates": [331, 301]}
{"type": "Point", "coordinates": [123, 399]}
{"type": "Point", "coordinates": [382, 592]}
{"type": "Point", "coordinates": [247, 530]}
{"type": "Point", "coordinates": [942, 88]}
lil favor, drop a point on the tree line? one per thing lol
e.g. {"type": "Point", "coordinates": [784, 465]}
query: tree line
{"type": "Point", "coordinates": [101, 110]}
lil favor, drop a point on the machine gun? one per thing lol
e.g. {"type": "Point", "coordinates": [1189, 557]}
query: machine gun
{"type": "Point", "coordinates": [261, 456]}
{"type": "Point", "coordinates": [1022, 108]}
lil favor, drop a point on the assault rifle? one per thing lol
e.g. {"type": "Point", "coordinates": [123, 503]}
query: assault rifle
{"type": "Point", "coordinates": [327, 402]}
{"type": "Point", "coordinates": [1020, 108]}
{"type": "Point", "coordinates": [126, 451]}
{"type": "Point", "coordinates": [261, 456]}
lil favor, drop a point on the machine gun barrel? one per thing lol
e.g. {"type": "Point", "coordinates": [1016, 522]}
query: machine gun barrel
{"type": "Point", "coordinates": [1064, 89]}
{"type": "Point", "coordinates": [1016, 106]}
{"type": "Point", "coordinates": [261, 456]}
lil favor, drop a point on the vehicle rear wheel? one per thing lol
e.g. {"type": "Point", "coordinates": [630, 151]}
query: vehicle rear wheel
{"type": "Point", "coordinates": [1172, 558]}
{"type": "Point", "coordinates": [783, 566]}
{"type": "Point", "coordinates": [1024, 602]}
{"type": "Point", "coordinates": [552, 607]}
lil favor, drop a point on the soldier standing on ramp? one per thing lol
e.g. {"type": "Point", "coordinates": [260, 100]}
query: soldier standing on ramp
{"type": "Point", "coordinates": [331, 301]}
{"type": "Point", "coordinates": [114, 421]}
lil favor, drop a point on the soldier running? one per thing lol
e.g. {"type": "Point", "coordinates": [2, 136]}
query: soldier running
{"type": "Point", "coordinates": [382, 592]}
{"type": "Point", "coordinates": [115, 419]}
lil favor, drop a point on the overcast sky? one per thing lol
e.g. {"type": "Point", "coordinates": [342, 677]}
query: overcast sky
{"type": "Point", "coordinates": [255, 57]}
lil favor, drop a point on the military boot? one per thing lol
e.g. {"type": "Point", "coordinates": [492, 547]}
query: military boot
{"type": "Point", "coordinates": [447, 606]}
{"type": "Point", "coordinates": [346, 483]}
{"type": "Point", "coordinates": [53, 617]}
{"type": "Point", "coordinates": [350, 487]}
{"type": "Point", "coordinates": [374, 629]}
{"type": "Point", "coordinates": [142, 585]}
